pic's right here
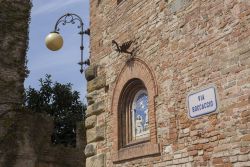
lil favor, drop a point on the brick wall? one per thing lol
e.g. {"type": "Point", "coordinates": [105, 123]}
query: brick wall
{"type": "Point", "coordinates": [188, 44]}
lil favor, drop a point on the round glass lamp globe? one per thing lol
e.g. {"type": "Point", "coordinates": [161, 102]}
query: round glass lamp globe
{"type": "Point", "coordinates": [54, 41]}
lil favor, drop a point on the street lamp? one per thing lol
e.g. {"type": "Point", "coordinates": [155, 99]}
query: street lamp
{"type": "Point", "coordinates": [54, 40]}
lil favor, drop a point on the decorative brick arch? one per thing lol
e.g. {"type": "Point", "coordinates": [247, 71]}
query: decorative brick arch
{"type": "Point", "coordinates": [135, 69]}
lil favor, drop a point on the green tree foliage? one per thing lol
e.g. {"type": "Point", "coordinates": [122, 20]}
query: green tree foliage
{"type": "Point", "coordinates": [63, 104]}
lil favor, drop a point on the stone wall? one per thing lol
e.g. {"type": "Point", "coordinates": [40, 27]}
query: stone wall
{"type": "Point", "coordinates": [24, 136]}
{"type": "Point", "coordinates": [14, 43]}
{"type": "Point", "coordinates": [28, 144]}
{"type": "Point", "coordinates": [187, 44]}
{"type": "Point", "coordinates": [14, 18]}
{"type": "Point", "coordinates": [94, 123]}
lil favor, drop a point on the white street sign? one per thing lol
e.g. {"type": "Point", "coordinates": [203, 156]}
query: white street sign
{"type": "Point", "coordinates": [202, 102]}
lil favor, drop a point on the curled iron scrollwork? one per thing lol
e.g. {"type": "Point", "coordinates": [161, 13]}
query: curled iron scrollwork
{"type": "Point", "coordinates": [68, 18]}
{"type": "Point", "coordinates": [71, 18]}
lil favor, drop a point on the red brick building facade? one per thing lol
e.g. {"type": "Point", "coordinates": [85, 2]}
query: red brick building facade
{"type": "Point", "coordinates": [177, 47]}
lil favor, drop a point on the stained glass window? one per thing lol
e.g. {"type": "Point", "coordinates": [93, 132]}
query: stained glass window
{"type": "Point", "coordinates": [139, 111]}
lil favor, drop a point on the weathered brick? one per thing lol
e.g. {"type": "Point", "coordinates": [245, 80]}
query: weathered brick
{"type": "Point", "coordinates": [90, 122]}
{"type": "Point", "coordinates": [243, 158]}
{"type": "Point", "coordinates": [240, 164]}
{"type": "Point", "coordinates": [90, 72]}
{"type": "Point", "coordinates": [96, 161]}
{"type": "Point", "coordinates": [193, 153]}
{"type": "Point", "coordinates": [233, 159]}
{"type": "Point", "coordinates": [177, 5]}
{"type": "Point", "coordinates": [95, 134]}
{"type": "Point", "coordinates": [218, 161]}
{"type": "Point", "coordinates": [167, 149]}
{"type": "Point", "coordinates": [177, 156]}
{"type": "Point", "coordinates": [90, 149]}
{"type": "Point", "coordinates": [245, 137]}
{"type": "Point", "coordinates": [95, 108]}
{"type": "Point", "coordinates": [96, 84]}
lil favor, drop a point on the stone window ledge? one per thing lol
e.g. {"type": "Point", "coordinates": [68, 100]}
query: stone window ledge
{"type": "Point", "coordinates": [136, 151]}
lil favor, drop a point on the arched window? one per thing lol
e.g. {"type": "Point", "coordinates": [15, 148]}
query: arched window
{"type": "Point", "coordinates": [133, 113]}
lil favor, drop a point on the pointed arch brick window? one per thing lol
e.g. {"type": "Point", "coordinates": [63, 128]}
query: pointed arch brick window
{"type": "Point", "coordinates": [133, 111]}
{"type": "Point", "coordinates": [133, 114]}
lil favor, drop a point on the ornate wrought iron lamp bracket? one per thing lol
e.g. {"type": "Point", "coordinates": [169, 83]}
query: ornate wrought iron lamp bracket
{"type": "Point", "coordinates": [72, 18]}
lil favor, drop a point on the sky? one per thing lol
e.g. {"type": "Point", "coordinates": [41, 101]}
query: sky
{"type": "Point", "coordinates": [62, 64]}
